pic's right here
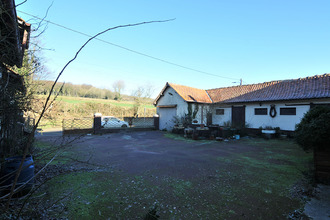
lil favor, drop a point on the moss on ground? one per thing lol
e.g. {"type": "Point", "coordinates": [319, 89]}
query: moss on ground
{"type": "Point", "coordinates": [44, 152]}
{"type": "Point", "coordinates": [254, 184]}
{"type": "Point", "coordinates": [188, 140]}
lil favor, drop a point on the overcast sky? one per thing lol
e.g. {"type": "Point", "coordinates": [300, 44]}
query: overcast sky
{"type": "Point", "coordinates": [210, 44]}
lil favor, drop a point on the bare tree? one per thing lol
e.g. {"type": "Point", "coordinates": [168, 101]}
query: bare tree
{"type": "Point", "coordinates": [49, 102]}
{"type": "Point", "coordinates": [142, 97]}
{"type": "Point", "coordinates": [118, 88]}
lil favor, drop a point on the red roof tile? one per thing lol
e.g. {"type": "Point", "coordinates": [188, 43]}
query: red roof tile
{"type": "Point", "coordinates": [313, 87]}
{"type": "Point", "coordinates": [303, 88]}
{"type": "Point", "coordinates": [189, 94]}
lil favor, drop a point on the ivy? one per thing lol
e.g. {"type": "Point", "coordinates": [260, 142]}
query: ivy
{"type": "Point", "coordinates": [191, 113]}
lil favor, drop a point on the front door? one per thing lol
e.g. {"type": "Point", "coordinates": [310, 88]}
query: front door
{"type": "Point", "coordinates": [238, 116]}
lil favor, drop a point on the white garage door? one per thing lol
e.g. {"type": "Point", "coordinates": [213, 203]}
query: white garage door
{"type": "Point", "coordinates": [166, 116]}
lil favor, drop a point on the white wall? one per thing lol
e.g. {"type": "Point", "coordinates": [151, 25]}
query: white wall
{"type": "Point", "coordinates": [221, 119]}
{"type": "Point", "coordinates": [173, 99]}
{"type": "Point", "coordinates": [284, 122]}
{"type": "Point", "coordinates": [166, 115]}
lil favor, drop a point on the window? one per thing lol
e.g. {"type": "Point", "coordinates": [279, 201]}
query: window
{"type": "Point", "coordinates": [220, 111]}
{"type": "Point", "coordinates": [260, 111]}
{"type": "Point", "coordinates": [287, 111]}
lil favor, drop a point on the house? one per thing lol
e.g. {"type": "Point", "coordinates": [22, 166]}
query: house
{"type": "Point", "coordinates": [14, 39]}
{"type": "Point", "coordinates": [15, 35]}
{"type": "Point", "coordinates": [174, 102]}
{"type": "Point", "coordinates": [271, 104]}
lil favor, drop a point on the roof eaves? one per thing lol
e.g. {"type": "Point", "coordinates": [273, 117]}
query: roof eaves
{"type": "Point", "coordinates": [178, 92]}
{"type": "Point", "coordinates": [209, 96]}
{"type": "Point", "coordinates": [160, 94]}
{"type": "Point", "coordinates": [192, 98]}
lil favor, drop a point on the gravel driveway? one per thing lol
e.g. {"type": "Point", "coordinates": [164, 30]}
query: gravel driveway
{"type": "Point", "coordinates": [182, 178]}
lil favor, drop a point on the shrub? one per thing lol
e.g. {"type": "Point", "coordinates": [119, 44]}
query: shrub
{"type": "Point", "coordinates": [313, 132]}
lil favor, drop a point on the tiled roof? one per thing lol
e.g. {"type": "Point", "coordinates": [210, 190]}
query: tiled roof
{"type": "Point", "coordinates": [303, 88]}
{"type": "Point", "coordinates": [190, 94]}
{"type": "Point", "coordinates": [314, 87]}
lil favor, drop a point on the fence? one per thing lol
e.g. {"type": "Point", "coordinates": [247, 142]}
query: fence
{"type": "Point", "coordinates": [77, 125]}
{"type": "Point", "coordinates": [145, 122]}
{"type": "Point", "coordinates": [108, 124]}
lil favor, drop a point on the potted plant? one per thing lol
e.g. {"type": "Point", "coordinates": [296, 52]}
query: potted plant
{"type": "Point", "coordinates": [270, 132]}
{"type": "Point", "coordinates": [178, 127]}
{"type": "Point", "coordinates": [226, 129]}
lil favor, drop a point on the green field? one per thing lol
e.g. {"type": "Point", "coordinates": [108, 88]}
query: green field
{"type": "Point", "coordinates": [76, 107]}
{"type": "Point", "coordinates": [77, 100]}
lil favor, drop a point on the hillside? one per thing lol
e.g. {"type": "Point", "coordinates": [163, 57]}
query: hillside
{"type": "Point", "coordinates": [43, 87]}
{"type": "Point", "coordinates": [79, 100]}
{"type": "Point", "coordinates": [66, 107]}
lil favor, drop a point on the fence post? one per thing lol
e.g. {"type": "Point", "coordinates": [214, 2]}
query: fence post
{"type": "Point", "coordinates": [97, 122]}
{"type": "Point", "coordinates": [156, 121]}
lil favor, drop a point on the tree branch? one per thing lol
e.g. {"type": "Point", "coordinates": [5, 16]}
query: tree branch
{"type": "Point", "coordinates": [39, 25]}
{"type": "Point", "coordinates": [31, 137]}
{"type": "Point", "coordinates": [21, 3]}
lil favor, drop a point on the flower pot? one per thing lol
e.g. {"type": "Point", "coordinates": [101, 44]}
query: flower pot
{"type": "Point", "coordinates": [268, 133]}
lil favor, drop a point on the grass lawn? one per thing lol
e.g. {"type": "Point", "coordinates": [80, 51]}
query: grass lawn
{"type": "Point", "coordinates": [246, 179]}
{"type": "Point", "coordinates": [75, 107]}
{"type": "Point", "coordinates": [76, 100]}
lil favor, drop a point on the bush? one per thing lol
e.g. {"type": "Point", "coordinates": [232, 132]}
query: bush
{"type": "Point", "coordinates": [313, 132]}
